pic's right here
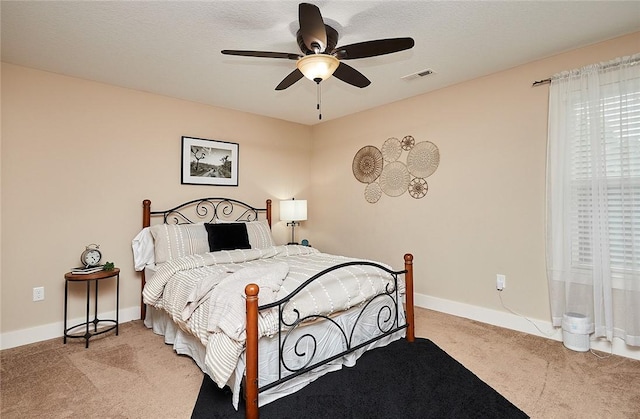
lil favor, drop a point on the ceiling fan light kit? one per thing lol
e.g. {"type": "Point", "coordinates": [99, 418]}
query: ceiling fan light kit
{"type": "Point", "coordinates": [318, 67]}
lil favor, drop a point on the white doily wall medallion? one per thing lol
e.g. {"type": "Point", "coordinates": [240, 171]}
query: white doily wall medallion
{"type": "Point", "coordinates": [384, 172]}
{"type": "Point", "coordinates": [423, 159]}
{"type": "Point", "coordinates": [372, 192]}
{"type": "Point", "coordinates": [395, 178]}
{"type": "Point", "coordinates": [391, 150]}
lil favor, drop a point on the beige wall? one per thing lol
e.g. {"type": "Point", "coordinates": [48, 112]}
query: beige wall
{"type": "Point", "coordinates": [484, 213]}
{"type": "Point", "coordinates": [79, 157]}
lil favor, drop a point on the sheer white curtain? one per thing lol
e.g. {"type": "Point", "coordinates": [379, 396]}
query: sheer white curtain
{"type": "Point", "coordinates": [593, 197]}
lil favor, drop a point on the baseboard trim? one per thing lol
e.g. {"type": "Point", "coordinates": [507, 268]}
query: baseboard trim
{"type": "Point", "coordinates": [468, 311]}
{"type": "Point", "coordinates": [52, 330]}
{"type": "Point", "coordinates": [512, 321]}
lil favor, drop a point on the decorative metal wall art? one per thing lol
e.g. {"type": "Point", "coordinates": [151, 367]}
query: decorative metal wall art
{"type": "Point", "coordinates": [383, 171]}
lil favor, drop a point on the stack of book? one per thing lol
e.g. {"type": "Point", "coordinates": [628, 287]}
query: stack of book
{"type": "Point", "coordinates": [84, 270]}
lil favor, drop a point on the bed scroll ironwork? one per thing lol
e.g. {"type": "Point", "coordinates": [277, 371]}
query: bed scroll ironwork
{"type": "Point", "coordinates": [210, 210]}
{"type": "Point", "coordinates": [388, 322]}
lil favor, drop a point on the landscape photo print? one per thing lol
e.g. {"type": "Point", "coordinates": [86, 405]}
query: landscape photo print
{"type": "Point", "coordinates": [209, 162]}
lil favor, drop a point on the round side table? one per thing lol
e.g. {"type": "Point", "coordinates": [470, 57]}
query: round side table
{"type": "Point", "coordinates": [95, 277]}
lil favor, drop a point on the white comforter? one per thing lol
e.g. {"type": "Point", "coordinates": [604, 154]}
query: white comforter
{"type": "Point", "coordinates": [204, 294]}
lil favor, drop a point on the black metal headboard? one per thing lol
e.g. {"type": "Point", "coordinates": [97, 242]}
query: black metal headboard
{"type": "Point", "coordinates": [207, 210]}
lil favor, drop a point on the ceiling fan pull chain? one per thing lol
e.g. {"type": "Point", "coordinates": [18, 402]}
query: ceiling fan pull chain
{"type": "Point", "coordinates": [318, 105]}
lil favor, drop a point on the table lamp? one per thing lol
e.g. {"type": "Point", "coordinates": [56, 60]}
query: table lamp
{"type": "Point", "coordinates": [293, 211]}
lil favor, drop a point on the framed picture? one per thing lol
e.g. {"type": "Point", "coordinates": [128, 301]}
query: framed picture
{"type": "Point", "coordinates": [209, 162]}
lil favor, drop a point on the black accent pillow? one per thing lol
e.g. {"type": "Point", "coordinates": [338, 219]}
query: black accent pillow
{"type": "Point", "coordinates": [227, 236]}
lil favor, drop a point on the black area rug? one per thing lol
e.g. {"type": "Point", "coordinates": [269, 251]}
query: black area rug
{"type": "Point", "coordinates": [401, 380]}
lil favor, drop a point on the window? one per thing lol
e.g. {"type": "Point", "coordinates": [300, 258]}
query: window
{"type": "Point", "coordinates": [593, 197]}
{"type": "Point", "coordinates": [615, 179]}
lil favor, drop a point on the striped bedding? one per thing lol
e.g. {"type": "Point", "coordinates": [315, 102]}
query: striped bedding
{"type": "Point", "coordinates": [187, 287]}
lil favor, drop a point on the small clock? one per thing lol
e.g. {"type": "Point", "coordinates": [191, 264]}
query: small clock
{"type": "Point", "coordinates": [91, 256]}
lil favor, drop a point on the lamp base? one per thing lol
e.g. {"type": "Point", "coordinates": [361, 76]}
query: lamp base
{"type": "Point", "coordinates": [293, 225]}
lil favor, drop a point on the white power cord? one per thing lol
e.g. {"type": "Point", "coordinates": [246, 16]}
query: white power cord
{"type": "Point", "coordinates": [548, 334]}
{"type": "Point", "coordinates": [603, 356]}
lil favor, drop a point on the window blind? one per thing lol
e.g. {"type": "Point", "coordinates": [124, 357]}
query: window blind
{"type": "Point", "coordinates": [608, 186]}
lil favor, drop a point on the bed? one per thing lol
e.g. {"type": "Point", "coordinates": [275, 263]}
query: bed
{"type": "Point", "coordinates": [264, 320]}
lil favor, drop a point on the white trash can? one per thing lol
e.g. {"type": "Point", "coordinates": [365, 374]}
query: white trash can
{"type": "Point", "coordinates": [576, 328]}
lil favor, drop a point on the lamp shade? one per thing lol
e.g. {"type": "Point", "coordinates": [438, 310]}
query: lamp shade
{"type": "Point", "coordinates": [318, 66]}
{"type": "Point", "coordinates": [293, 210]}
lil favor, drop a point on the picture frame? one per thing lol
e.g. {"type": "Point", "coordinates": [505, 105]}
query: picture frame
{"type": "Point", "coordinates": [209, 162]}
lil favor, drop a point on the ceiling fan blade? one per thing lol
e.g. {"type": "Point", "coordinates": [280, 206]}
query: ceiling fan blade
{"type": "Point", "coordinates": [312, 27]}
{"type": "Point", "coordinates": [350, 75]}
{"type": "Point", "coordinates": [373, 48]}
{"type": "Point", "coordinates": [293, 77]}
{"type": "Point", "coordinates": [261, 54]}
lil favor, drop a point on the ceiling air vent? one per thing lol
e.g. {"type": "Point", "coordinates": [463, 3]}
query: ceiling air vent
{"type": "Point", "coordinates": [418, 74]}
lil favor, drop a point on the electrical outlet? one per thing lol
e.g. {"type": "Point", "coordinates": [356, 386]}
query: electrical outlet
{"type": "Point", "coordinates": [38, 294]}
{"type": "Point", "coordinates": [501, 282]}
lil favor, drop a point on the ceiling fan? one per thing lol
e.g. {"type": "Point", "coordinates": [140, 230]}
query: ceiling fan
{"type": "Point", "coordinates": [320, 57]}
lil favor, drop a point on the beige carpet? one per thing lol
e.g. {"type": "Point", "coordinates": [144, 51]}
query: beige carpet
{"type": "Point", "coordinates": [540, 376]}
{"type": "Point", "coordinates": [132, 375]}
{"type": "Point", "coordinates": [135, 375]}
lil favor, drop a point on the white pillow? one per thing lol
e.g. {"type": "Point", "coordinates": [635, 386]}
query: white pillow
{"type": "Point", "coordinates": [259, 234]}
{"type": "Point", "coordinates": [143, 253]}
{"type": "Point", "coordinates": [172, 241]}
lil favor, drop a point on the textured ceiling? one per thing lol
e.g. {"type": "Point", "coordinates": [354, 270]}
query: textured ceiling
{"type": "Point", "coordinates": [173, 47]}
